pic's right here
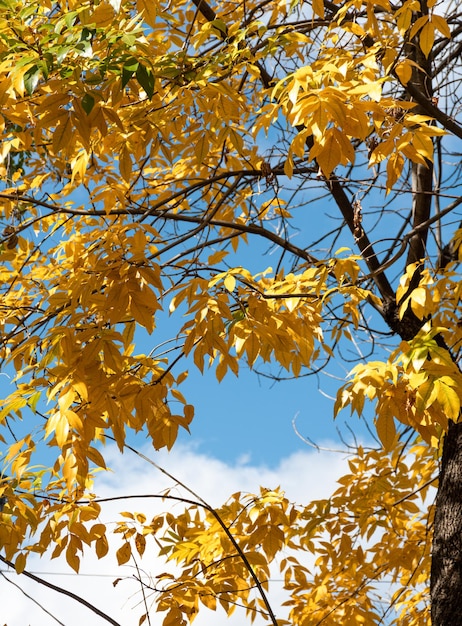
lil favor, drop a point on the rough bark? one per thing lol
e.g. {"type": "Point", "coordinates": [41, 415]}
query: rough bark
{"type": "Point", "coordinates": [446, 570]}
{"type": "Point", "coordinates": [446, 566]}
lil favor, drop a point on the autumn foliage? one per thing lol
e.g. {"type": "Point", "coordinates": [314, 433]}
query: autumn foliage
{"type": "Point", "coordinates": [145, 146]}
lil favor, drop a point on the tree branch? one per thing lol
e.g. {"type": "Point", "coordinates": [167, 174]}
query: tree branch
{"type": "Point", "coordinates": [64, 592]}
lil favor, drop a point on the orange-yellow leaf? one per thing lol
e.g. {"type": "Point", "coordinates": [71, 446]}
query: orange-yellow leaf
{"type": "Point", "coordinates": [125, 164]}
{"type": "Point", "coordinates": [252, 348]}
{"type": "Point", "coordinates": [20, 563]}
{"type": "Point", "coordinates": [124, 553]}
{"type": "Point", "coordinates": [149, 10]}
{"type": "Point", "coordinates": [72, 558]}
{"type": "Point", "coordinates": [386, 429]}
{"type": "Point", "coordinates": [209, 600]}
{"type": "Point", "coordinates": [404, 71]}
{"type": "Point", "coordinates": [173, 618]}
{"type": "Point", "coordinates": [395, 166]}
{"type": "Point", "coordinates": [273, 541]}
{"type": "Point", "coordinates": [427, 37]}
{"type": "Point", "coordinates": [140, 543]}
{"type": "Point", "coordinates": [101, 547]}
{"type": "Point", "coordinates": [217, 257]}
{"type": "Point", "coordinates": [62, 135]}
{"type": "Point", "coordinates": [318, 8]}
{"type": "Point", "coordinates": [441, 25]}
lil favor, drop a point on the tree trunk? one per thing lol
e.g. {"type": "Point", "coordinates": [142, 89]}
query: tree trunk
{"type": "Point", "coordinates": [446, 564]}
{"type": "Point", "coordinates": [446, 569]}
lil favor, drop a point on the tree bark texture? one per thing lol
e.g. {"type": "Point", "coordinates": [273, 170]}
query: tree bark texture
{"type": "Point", "coordinates": [446, 564]}
{"type": "Point", "coordinates": [446, 570]}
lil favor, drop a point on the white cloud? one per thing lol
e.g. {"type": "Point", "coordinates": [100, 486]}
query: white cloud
{"type": "Point", "coordinates": [304, 476]}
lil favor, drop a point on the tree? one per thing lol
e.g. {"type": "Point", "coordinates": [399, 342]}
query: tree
{"type": "Point", "coordinates": [145, 147]}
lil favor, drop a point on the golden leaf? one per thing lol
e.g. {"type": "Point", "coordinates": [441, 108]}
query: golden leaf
{"type": "Point", "coordinates": [427, 38]}
{"type": "Point", "coordinates": [20, 562]}
{"type": "Point", "coordinates": [230, 282]}
{"type": "Point", "coordinates": [386, 430]}
{"type": "Point", "coordinates": [124, 553]}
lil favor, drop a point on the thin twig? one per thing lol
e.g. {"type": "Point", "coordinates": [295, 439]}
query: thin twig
{"type": "Point", "coordinates": [29, 597]}
{"type": "Point", "coordinates": [64, 592]}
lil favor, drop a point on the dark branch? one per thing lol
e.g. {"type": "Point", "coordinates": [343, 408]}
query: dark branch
{"type": "Point", "coordinates": [64, 592]}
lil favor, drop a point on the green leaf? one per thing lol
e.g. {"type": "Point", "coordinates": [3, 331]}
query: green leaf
{"type": "Point", "coordinates": [70, 18]}
{"type": "Point", "coordinates": [146, 80]}
{"type": "Point", "coordinates": [88, 102]}
{"type": "Point", "coordinates": [128, 70]}
{"type": "Point", "coordinates": [84, 44]}
{"type": "Point", "coordinates": [221, 26]}
{"type": "Point", "coordinates": [47, 64]}
{"type": "Point", "coordinates": [31, 79]}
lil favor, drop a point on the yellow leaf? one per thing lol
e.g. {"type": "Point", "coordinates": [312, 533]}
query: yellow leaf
{"type": "Point", "coordinates": [143, 314]}
{"type": "Point", "coordinates": [441, 25]}
{"type": "Point", "coordinates": [272, 541]}
{"type": "Point", "coordinates": [289, 164]}
{"type": "Point", "coordinates": [426, 38]}
{"type": "Point", "coordinates": [101, 547]}
{"type": "Point", "coordinates": [236, 140]}
{"type": "Point", "coordinates": [140, 543]}
{"type": "Point", "coordinates": [62, 430]}
{"type": "Point", "coordinates": [423, 144]}
{"type": "Point", "coordinates": [104, 14]}
{"type": "Point", "coordinates": [124, 553]}
{"type": "Point", "coordinates": [426, 394]}
{"type": "Point", "coordinates": [252, 348]}
{"type": "Point", "coordinates": [72, 558]}
{"type": "Point", "coordinates": [418, 25]}
{"type": "Point", "coordinates": [79, 165]}
{"type": "Point", "coordinates": [173, 618]}
{"type": "Point", "coordinates": [404, 71]}
{"type": "Point", "coordinates": [149, 10]}
{"type": "Point", "coordinates": [449, 400]}
{"type": "Point", "coordinates": [20, 562]}
{"type": "Point", "coordinates": [96, 457]}
{"type": "Point", "coordinates": [201, 149]}
{"type": "Point", "coordinates": [230, 282]}
{"type": "Point", "coordinates": [208, 599]}
{"type": "Point", "coordinates": [62, 135]}
{"type": "Point", "coordinates": [418, 301]}
{"type": "Point", "coordinates": [385, 426]}
{"type": "Point", "coordinates": [125, 163]}
{"type": "Point", "coordinates": [321, 592]}
{"type": "Point", "coordinates": [217, 257]}
{"type": "Point", "coordinates": [318, 8]}
{"type": "Point", "coordinates": [327, 153]}
{"type": "Point", "coordinates": [372, 89]}
{"type": "Point", "coordinates": [395, 166]}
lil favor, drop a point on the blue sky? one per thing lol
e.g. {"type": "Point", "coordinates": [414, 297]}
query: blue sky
{"type": "Point", "coordinates": [252, 416]}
